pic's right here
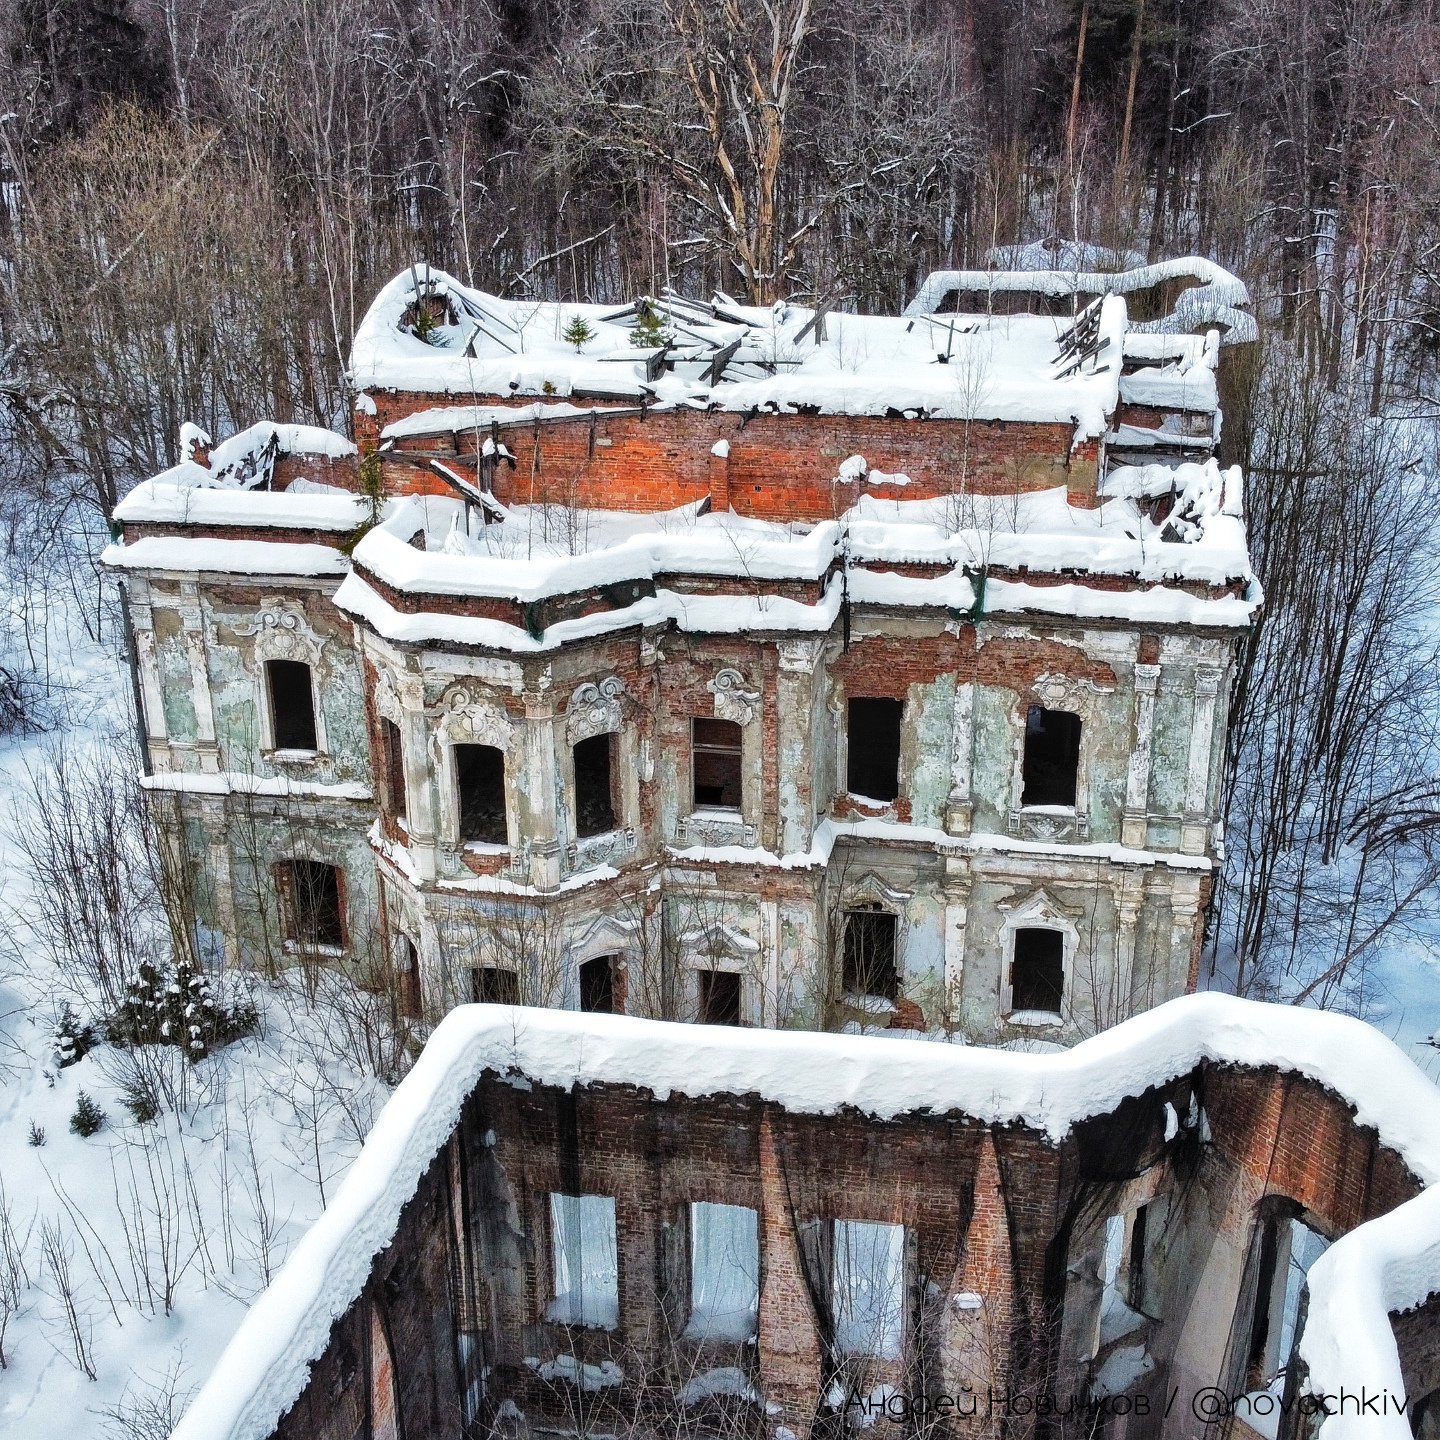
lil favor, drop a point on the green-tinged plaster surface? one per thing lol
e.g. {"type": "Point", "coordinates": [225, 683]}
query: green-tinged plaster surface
{"type": "Point", "coordinates": [930, 731]}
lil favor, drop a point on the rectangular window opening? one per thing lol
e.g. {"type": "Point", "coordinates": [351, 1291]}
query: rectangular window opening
{"type": "Point", "coordinates": [586, 1274]}
{"type": "Point", "coordinates": [490, 985]}
{"type": "Point", "coordinates": [480, 785]}
{"type": "Point", "coordinates": [873, 766]}
{"type": "Point", "coordinates": [316, 917]}
{"type": "Point", "coordinates": [292, 704]}
{"type": "Point", "coordinates": [1052, 757]}
{"type": "Point", "coordinates": [716, 760]}
{"type": "Point", "coordinates": [719, 997]}
{"type": "Point", "coordinates": [1122, 1276]}
{"type": "Point", "coordinates": [594, 796]}
{"type": "Point", "coordinates": [1290, 1248]}
{"type": "Point", "coordinates": [394, 759]}
{"type": "Point", "coordinates": [408, 988]}
{"type": "Point", "coordinates": [1037, 974]}
{"type": "Point", "coordinates": [869, 1288]}
{"type": "Point", "coordinates": [597, 985]}
{"type": "Point", "coordinates": [724, 1272]}
{"type": "Point", "coordinates": [870, 967]}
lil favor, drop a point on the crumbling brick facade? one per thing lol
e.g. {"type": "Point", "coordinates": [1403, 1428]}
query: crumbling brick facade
{"type": "Point", "coordinates": [408, 666]}
{"type": "Point", "coordinates": [1009, 1305]}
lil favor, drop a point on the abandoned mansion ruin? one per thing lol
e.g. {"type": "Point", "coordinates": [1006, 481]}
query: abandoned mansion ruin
{"type": "Point", "coordinates": [776, 667]}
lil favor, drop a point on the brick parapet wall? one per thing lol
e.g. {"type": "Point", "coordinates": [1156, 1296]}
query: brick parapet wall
{"type": "Point", "coordinates": [780, 467]}
{"type": "Point", "coordinates": [271, 534]}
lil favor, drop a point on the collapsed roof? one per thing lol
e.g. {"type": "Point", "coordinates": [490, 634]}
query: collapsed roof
{"type": "Point", "coordinates": [428, 333]}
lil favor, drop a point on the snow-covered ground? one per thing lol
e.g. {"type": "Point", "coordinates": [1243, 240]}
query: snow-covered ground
{"type": "Point", "coordinates": [137, 1251]}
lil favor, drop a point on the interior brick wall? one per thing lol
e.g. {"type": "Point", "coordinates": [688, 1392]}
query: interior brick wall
{"type": "Point", "coordinates": [988, 1208]}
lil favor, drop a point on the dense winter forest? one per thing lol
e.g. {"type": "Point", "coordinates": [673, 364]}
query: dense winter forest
{"type": "Point", "coordinates": [202, 198]}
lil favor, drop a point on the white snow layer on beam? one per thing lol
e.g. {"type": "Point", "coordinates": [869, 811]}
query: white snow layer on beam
{"type": "Point", "coordinates": [158, 502]}
{"type": "Point", "coordinates": [698, 614]}
{"type": "Point", "coordinates": [1160, 605]}
{"type": "Point", "coordinates": [448, 419]}
{"type": "Point", "coordinates": [238, 782]}
{"type": "Point", "coordinates": [229, 557]}
{"type": "Point", "coordinates": [1348, 1341]}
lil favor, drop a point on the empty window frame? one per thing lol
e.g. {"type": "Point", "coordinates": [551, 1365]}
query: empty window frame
{"type": "Point", "coordinates": [597, 985]}
{"type": "Point", "coordinates": [869, 967]}
{"type": "Point", "coordinates": [586, 1288]}
{"type": "Point", "coordinates": [1288, 1248]}
{"type": "Point", "coordinates": [292, 705]}
{"type": "Point", "coordinates": [719, 997]}
{"type": "Point", "coordinates": [480, 792]}
{"type": "Point", "coordinates": [1122, 1275]}
{"type": "Point", "coordinates": [384, 1409]}
{"type": "Point", "coordinates": [490, 985]}
{"type": "Point", "coordinates": [407, 997]}
{"type": "Point", "coordinates": [594, 780]}
{"type": "Point", "coordinates": [868, 1288]}
{"type": "Point", "coordinates": [1052, 757]}
{"type": "Point", "coordinates": [873, 748]}
{"type": "Point", "coordinates": [724, 1271]}
{"type": "Point", "coordinates": [393, 758]}
{"type": "Point", "coordinates": [715, 748]}
{"type": "Point", "coordinates": [313, 909]}
{"type": "Point", "coordinates": [1037, 971]}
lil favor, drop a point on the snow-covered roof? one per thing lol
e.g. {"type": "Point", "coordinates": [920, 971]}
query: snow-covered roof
{"type": "Point", "coordinates": [1348, 1339]}
{"type": "Point", "coordinates": [540, 551]}
{"type": "Point", "coordinates": [246, 459]}
{"type": "Point", "coordinates": [198, 556]}
{"type": "Point", "coordinates": [168, 501]}
{"type": "Point", "coordinates": [993, 367]}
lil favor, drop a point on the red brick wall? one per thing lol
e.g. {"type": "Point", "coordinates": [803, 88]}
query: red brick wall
{"type": "Point", "coordinates": [780, 467]}
{"type": "Point", "coordinates": [887, 665]}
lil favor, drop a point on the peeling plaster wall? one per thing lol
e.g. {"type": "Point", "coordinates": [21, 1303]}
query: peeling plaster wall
{"type": "Point", "coordinates": [1134, 920]}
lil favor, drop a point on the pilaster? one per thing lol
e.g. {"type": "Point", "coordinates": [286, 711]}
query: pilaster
{"type": "Point", "coordinates": [1134, 827]}
{"type": "Point", "coordinates": [959, 805]}
{"type": "Point", "coordinates": [796, 700]}
{"type": "Point", "coordinates": [1195, 829]}
{"type": "Point", "coordinates": [192, 618]}
{"type": "Point", "coordinates": [538, 784]}
{"type": "Point", "coordinates": [419, 792]}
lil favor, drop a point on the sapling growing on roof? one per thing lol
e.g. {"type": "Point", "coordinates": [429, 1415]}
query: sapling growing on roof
{"type": "Point", "coordinates": [578, 333]}
{"type": "Point", "coordinates": [649, 332]}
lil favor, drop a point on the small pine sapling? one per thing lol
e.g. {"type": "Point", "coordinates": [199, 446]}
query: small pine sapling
{"type": "Point", "coordinates": [36, 1136]}
{"type": "Point", "coordinates": [424, 323]}
{"type": "Point", "coordinates": [88, 1117]}
{"type": "Point", "coordinates": [72, 1040]}
{"type": "Point", "coordinates": [176, 1007]}
{"type": "Point", "coordinates": [372, 492]}
{"type": "Point", "coordinates": [649, 332]}
{"type": "Point", "coordinates": [578, 333]}
{"type": "Point", "coordinates": [140, 1015]}
{"type": "Point", "coordinates": [139, 1098]}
